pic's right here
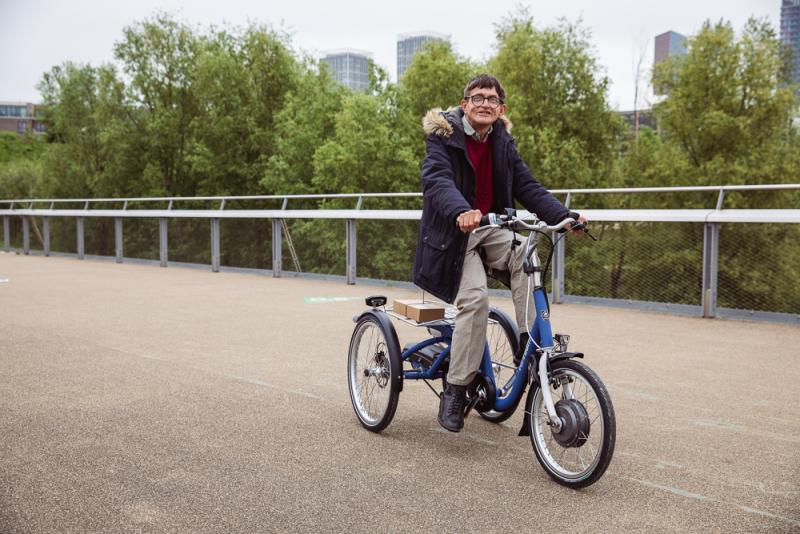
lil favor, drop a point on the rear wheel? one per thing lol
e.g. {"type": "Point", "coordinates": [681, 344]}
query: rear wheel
{"type": "Point", "coordinates": [373, 359]}
{"type": "Point", "coordinates": [579, 453]}
{"type": "Point", "coordinates": [503, 338]}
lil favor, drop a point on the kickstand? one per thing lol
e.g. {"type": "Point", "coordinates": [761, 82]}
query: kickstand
{"type": "Point", "coordinates": [434, 391]}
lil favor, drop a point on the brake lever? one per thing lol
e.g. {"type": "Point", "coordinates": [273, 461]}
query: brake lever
{"type": "Point", "coordinates": [584, 228]}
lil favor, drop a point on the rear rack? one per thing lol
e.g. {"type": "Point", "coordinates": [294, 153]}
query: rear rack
{"type": "Point", "coordinates": [448, 320]}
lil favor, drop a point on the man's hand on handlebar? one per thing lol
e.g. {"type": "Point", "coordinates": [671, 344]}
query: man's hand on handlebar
{"type": "Point", "coordinates": [469, 220]}
{"type": "Point", "coordinates": [580, 226]}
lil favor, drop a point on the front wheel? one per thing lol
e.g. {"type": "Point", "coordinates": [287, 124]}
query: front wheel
{"type": "Point", "coordinates": [372, 362]}
{"type": "Point", "coordinates": [579, 453]}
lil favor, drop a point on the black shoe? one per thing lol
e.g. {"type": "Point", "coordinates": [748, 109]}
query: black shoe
{"type": "Point", "coordinates": [523, 343]}
{"type": "Point", "coordinates": [451, 407]}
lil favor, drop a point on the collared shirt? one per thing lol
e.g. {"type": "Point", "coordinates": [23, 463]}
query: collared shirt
{"type": "Point", "coordinates": [470, 131]}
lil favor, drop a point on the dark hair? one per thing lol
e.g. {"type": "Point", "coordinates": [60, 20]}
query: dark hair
{"type": "Point", "coordinates": [485, 81]}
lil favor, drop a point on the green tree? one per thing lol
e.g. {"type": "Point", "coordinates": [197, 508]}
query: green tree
{"type": "Point", "coordinates": [159, 56]}
{"type": "Point", "coordinates": [241, 85]}
{"type": "Point", "coordinates": [366, 153]}
{"type": "Point", "coordinates": [557, 101]}
{"type": "Point", "coordinates": [83, 105]}
{"type": "Point", "coordinates": [435, 78]}
{"type": "Point", "coordinates": [304, 123]}
{"type": "Point", "coordinates": [729, 107]}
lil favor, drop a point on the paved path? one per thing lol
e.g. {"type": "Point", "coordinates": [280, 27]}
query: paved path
{"type": "Point", "coordinates": [135, 398]}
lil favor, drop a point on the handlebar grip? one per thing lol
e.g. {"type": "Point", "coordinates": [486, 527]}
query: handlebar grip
{"type": "Point", "coordinates": [491, 219]}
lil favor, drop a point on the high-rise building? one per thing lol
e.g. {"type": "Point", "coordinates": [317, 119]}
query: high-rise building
{"type": "Point", "coordinates": [790, 33]}
{"type": "Point", "coordinates": [408, 44]}
{"type": "Point", "coordinates": [20, 117]}
{"type": "Point", "coordinates": [349, 67]}
{"type": "Point", "coordinates": [668, 45]}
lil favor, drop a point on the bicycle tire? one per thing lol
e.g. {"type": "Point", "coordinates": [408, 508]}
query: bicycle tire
{"type": "Point", "coordinates": [373, 363]}
{"type": "Point", "coordinates": [546, 446]}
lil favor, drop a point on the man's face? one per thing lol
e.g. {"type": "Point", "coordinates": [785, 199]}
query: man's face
{"type": "Point", "coordinates": [483, 115]}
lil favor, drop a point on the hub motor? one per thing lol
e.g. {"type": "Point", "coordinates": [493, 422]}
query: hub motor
{"type": "Point", "coordinates": [575, 423]}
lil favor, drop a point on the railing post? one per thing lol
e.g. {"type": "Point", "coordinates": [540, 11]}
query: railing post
{"type": "Point", "coordinates": [79, 232]}
{"type": "Point", "coordinates": [46, 228]}
{"type": "Point", "coordinates": [351, 251]}
{"type": "Point", "coordinates": [6, 233]}
{"type": "Point", "coordinates": [162, 241]}
{"type": "Point", "coordinates": [118, 238]}
{"type": "Point", "coordinates": [710, 268]}
{"type": "Point", "coordinates": [26, 235]}
{"type": "Point", "coordinates": [558, 272]}
{"type": "Point", "coordinates": [276, 248]}
{"type": "Point", "coordinates": [215, 245]}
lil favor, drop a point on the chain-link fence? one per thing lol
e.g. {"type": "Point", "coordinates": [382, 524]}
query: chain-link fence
{"type": "Point", "coordinates": [759, 265]}
{"type": "Point", "coordinates": [646, 261]}
{"type": "Point", "coordinates": [653, 262]}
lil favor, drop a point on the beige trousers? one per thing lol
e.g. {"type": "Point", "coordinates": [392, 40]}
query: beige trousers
{"type": "Point", "coordinates": [472, 300]}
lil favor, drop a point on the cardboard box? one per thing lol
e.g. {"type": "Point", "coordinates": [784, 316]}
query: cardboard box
{"type": "Point", "coordinates": [400, 306]}
{"type": "Point", "coordinates": [422, 313]}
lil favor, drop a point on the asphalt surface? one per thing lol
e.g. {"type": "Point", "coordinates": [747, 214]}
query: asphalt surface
{"type": "Point", "coordinates": [137, 398]}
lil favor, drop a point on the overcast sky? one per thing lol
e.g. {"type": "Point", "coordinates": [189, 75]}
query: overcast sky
{"type": "Point", "coordinates": [38, 34]}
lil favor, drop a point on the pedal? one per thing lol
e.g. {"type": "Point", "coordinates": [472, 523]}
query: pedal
{"type": "Point", "coordinates": [472, 401]}
{"type": "Point", "coordinates": [473, 398]}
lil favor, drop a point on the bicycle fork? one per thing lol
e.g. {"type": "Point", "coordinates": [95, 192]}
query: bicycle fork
{"type": "Point", "coordinates": [544, 384]}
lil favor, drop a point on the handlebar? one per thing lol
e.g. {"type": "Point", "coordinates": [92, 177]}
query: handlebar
{"type": "Point", "coordinates": [495, 220]}
{"type": "Point", "coordinates": [510, 220]}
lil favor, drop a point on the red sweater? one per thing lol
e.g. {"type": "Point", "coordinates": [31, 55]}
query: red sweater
{"type": "Point", "coordinates": [480, 154]}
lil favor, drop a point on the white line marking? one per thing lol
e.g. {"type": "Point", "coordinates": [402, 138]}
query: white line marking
{"type": "Point", "coordinates": [739, 429]}
{"type": "Point", "coordinates": [663, 464]}
{"type": "Point", "coordinates": [273, 386]}
{"type": "Point", "coordinates": [4, 280]}
{"type": "Point", "coordinates": [767, 514]}
{"type": "Point", "coordinates": [676, 491]}
{"type": "Point", "coordinates": [719, 424]}
{"type": "Point", "coordinates": [697, 496]}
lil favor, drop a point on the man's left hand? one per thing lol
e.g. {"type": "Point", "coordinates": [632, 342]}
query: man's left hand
{"type": "Point", "coordinates": [582, 220]}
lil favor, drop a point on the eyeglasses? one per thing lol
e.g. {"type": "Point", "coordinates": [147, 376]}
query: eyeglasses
{"type": "Point", "coordinates": [478, 100]}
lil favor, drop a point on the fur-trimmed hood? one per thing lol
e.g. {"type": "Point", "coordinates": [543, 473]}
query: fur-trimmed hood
{"type": "Point", "coordinates": [435, 121]}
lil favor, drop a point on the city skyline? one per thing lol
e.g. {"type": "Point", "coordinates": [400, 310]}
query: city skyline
{"type": "Point", "coordinates": [621, 31]}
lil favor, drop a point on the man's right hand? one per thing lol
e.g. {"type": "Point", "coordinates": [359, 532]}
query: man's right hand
{"type": "Point", "coordinates": [469, 220]}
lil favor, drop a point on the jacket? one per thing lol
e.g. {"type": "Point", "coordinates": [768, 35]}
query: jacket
{"type": "Point", "coordinates": [448, 189]}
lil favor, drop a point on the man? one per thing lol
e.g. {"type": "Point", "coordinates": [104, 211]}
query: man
{"type": "Point", "coordinates": [472, 168]}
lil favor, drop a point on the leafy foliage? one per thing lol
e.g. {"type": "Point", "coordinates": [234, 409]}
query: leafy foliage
{"type": "Point", "coordinates": [185, 111]}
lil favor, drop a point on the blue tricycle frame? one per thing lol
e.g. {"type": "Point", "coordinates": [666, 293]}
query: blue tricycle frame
{"type": "Point", "coordinates": [581, 420]}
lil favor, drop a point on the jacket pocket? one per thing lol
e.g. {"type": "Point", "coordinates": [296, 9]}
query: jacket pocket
{"type": "Point", "coordinates": [438, 254]}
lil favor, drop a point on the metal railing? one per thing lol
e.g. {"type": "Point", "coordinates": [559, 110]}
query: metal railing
{"type": "Point", "coordinates": [711, 218]}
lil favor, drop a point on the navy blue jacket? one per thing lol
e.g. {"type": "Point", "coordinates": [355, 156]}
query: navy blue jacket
{"type": "Point", "coordinates": [448, 188]}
